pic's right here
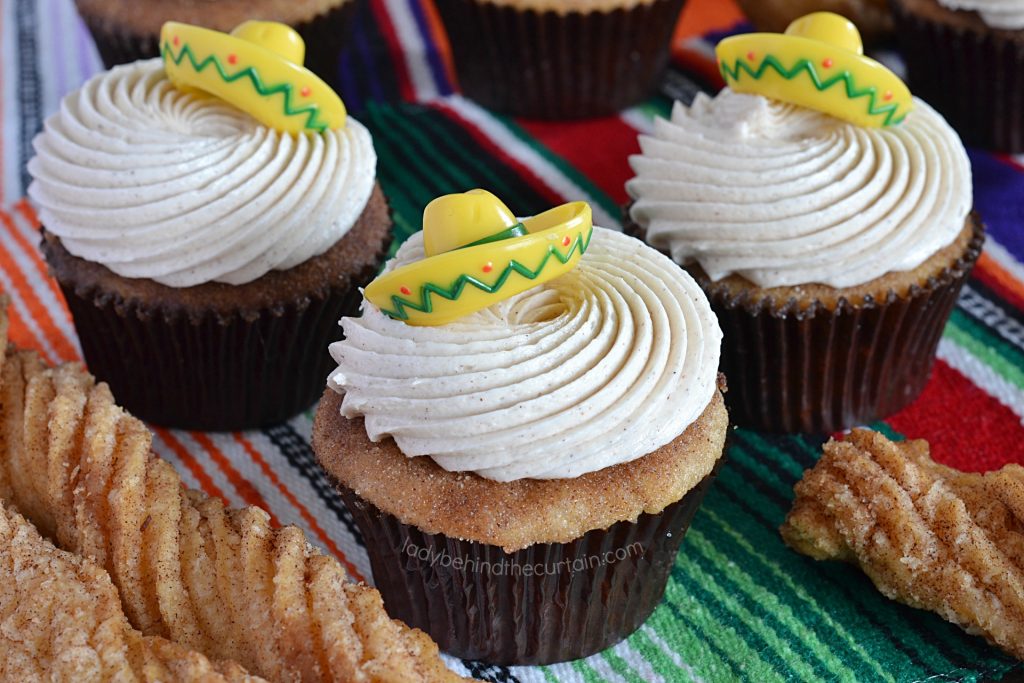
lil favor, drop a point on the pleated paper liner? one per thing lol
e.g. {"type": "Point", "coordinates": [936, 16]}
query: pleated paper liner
{"type": "Point", "coordinates": [821, 369]}
{"type": "Point", "coordinates": [324, 35]}
{"type": "Point", "coordinates": [558, 65]}
{"type": "Point", "coordinates": [547, 603]}
{"type": "Point", "coordinates": [188, 367]}
{"type": "Point", "coordinates": [972, 76]}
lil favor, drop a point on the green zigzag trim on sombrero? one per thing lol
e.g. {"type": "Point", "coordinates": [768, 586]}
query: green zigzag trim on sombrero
{"type": "Point", "coordinates": [311, 112]}
{"type": "Point", "coordinates": [805, 65]}
{"type": "Point", "coordinates": [426, 303]}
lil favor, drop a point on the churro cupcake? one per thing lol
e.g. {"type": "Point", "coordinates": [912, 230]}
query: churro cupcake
{"type": "Point", "coordinates": [966, 58]}
{"type": "Point", "coordinates": [523, 466]}
{"type": "Point", "coordinates": [205, 250]}
{"type": "Point", "coordinates": [872, 17]}
{"type": "Point", "coordinates": [128, 30]}
{"type": "Point", "coordinates": [832, 241]}
{"type": "Point", "coordinates": [559, 59]}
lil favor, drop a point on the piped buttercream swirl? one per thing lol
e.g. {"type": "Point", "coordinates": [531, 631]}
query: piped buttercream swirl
{"type": "Point", "coordinates": [183, 189]}
{"type": "Point", "coordinates": [595, 368]}
{"type": "Point", "coordinates": [1005, 14]}
{"type": "Point", "coordinates": [784, 195]}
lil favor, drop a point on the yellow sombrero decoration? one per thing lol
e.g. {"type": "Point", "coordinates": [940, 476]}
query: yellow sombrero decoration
{"type": "Point", "coordinates": [817, 63]}
{"type": "Point", "coordinates": [257, 68]}
{"type": "Point", "coordinates": [477, 254]}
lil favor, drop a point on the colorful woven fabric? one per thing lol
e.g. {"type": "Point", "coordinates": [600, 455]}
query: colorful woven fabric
{"type": "Point", "coordinates": [739, 605]}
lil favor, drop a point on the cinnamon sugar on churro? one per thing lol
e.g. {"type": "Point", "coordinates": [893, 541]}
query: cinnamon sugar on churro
{"type": "Point", "coordinates": [927, 535]}
{"type": "Point", "coordinates": [222, 582]}
{"type": "Point", "coordinates": [63, 622]}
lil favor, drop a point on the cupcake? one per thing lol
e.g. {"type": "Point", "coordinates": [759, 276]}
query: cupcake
{"type": "Point", "coordinates": [831, 241]}
{"type": "Point", "coordinates": [205, 250]}
{"type": "Point", "coordinates": [523, 431]}
{"type": "Point", "coordinates": [128, 30]}
{"type": "Point", "coordinates": [966, 58]}
{"type": "Point", "coordinates": [872, 17]}
{"type": "Point", "coordinates": [554, 59]}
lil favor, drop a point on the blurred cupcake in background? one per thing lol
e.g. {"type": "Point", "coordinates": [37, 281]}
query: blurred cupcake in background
{"type": "Point", "coordinates": [129, 30]}
{"type": "Point", "coordinates": [825, 212]}
{"type": "Point", "coordinates": [872, 17]}
{"type": "Point", "coordinates": [209, 220]}
{"type": "Point", "coordinates": [966, 58]}
{"type": "Point", "coordinates": [559, 59]}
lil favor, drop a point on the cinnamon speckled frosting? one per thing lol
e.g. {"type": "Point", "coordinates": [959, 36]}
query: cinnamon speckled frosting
{"type": "Point", "coordinates": [784, 195]}
{"type": "Point", "coordinates": [598, 367]}
{"type": "Point", "coordinates": [184, 189]}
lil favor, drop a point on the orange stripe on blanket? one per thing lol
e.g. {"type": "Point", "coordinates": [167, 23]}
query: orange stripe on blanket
{"type": "Point", "coordinates": [440, 39]}
{"type": "Point", "coordinates": [61, 344]}
{"type": "Point", "coordinates": [22, 336]}
{"type": "Point", "coordinates": [310, 520]}
{"type": "Point", "coordinates": [29, 214]}
{"type": "Point", "coordinates": [205, 482]}
{"type": "Point", "coordinates": [996, 272]}
{"type": "Point", "coordinates": [699, 18]}
{"type": "Point", "coordinates": [249, 493]}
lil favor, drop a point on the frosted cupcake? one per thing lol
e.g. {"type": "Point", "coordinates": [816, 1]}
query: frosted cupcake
{"type": "Point", "coordinates": [872, 17]}
{"type": "Point", "coordinates": [832, 249]}
{"type": "Point", "coordinates": [966, 57]}
{"type": "Point", "coordinates": [559, 59]}
{"type": "Point", "coordinates": [523, 472]}
{"type": "Point", "coordinates": [206, 253]}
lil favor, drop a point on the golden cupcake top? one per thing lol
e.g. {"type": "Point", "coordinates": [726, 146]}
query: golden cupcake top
{"type": "Point", "coordinates": [477, 254]}
{"type": "Point", "coordinates": [817, 63]}
{"type": "Point", "coordinates": [258, 68]}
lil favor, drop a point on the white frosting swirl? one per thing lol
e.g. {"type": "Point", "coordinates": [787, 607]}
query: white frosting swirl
{"type": "Point", "coordinates": [595, 368]}
{"type": "Point", "coordinates": [1006, 14]}
{"type": "Point", "coordinates": [784, 195]}
{"type": "Point", "coordinates": [184, 189]}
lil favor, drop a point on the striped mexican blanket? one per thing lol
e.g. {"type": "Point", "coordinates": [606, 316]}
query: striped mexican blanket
{"type": "Point", "coordinates": [739, 605]}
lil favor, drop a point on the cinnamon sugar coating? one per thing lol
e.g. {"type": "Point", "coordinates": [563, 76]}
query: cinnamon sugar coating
{"type": "Point", "coordinates": [892, 284]}
{"type": "Point", "coordinates": [63, 621]}
{"type": "Point", "coordinates": [220, 581]}
{"type": "Point", "coordinates": [927, 535]}
{"type": "Point", "coordinates": [520, 513]}
{"type": "Point", "coordinates": [964, 249]}
{"type": "Point", "coordinates": [356, 252]}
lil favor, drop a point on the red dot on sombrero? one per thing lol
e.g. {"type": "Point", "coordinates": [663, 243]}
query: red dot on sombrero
{"type": "Point", "coordinates": [827, 63]}
{"type": "Point", "coordinates": [488, 267]}
{"type": "Point", "coordinates": [887, 96]}
{"type": "Point", "coordinates": [232, 59]}
{"type": "Point", "coordinates": [405, 290]}
{"type": "Point", "coordinates": [750, 56]}
{"type": "Point", "coordinates": [177, 40]}
{"type": "Point", "coordinates": [565, 241]}
{"type": "Point", "coordinates": [305, 91]}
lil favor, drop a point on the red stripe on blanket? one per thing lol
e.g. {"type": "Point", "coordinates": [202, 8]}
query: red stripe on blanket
{"type": "Point", "coordinates": [597, 148]}
{"type": "Point", "coordinates": [397, 55]}
{"type": "Point", "coordinates": [967, 428]}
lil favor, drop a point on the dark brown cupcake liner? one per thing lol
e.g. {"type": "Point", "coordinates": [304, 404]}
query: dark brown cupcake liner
{"type": "Point", "coordinates": [211, 370]}
{"type": "Point", "coordinates": [324, 35]}
{"type": "Point", "coordinates": [974, 78]}
{"type": "Point", "coordinates": [547, 603]}
{"type": "Point", "coordinates": [819, 369]}
{"type": "Point", "coordinates": [555, 65]}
